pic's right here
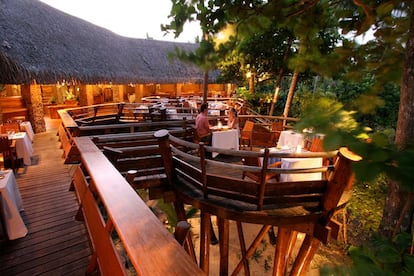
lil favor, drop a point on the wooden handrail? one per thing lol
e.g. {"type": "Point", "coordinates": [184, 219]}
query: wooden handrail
{"type": "Point", "coordinates": [151, 249]}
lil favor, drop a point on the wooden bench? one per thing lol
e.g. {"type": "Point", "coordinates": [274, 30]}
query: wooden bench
{"type": "Point", "coordinates": [217, 188]}
{"type": "Point", "coordinates": [141, 138]}
{"type": "Point", "coordinates": [125, 135]}
{"type": "Point", "coordinates": [138, 158]}
{"type": "Point", "coordinates": [132, 127]}
{"type": "Point", "coordinates": [149, 247]}
{"type": "Point", "coordinates": [141, 165]}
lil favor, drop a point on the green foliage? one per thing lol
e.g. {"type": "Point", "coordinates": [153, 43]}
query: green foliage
{"type": "Point", "coordinates": [259, 101]}
{"type": "Point", "coordinates": [364, 210]}
{"type": "Point", "coordinates": [379, 111]}
{"type": "Point", "coordinates": [169, 211]}
{"type": "Point", "coordinates": [380, 155]}
{"type": "Point", "coordinates": [383, 257]}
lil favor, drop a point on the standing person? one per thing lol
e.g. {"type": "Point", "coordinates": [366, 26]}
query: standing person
{"type": "Point", "coordinates": [233, 120]}
{"type": "Point", "coordinates": [202, 125]}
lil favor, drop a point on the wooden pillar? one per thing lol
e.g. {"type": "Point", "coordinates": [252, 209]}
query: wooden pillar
{"type": "Point", "coordinates": [224, 231]}
{"type": "Point", "coordinates": [86, 97]}
{"type": "Point", "coordinates": [32, 95]}
{"type": "Point", "coordinates": [83, 95]}
{"type": "Point", "coordinates": [205, 241]}
{"type": "Point", "coordinates": [178, 89]}
{"type": "Point", "coordinates": [139, 92]}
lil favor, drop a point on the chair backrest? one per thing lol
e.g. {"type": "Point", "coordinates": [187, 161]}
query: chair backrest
{"type": "Point", "coordinates": [248, 126]}
{"type": "Point", "coordinates": [277, 126]}
{"type": "Point", "coordinates": [276, 129]}
{"type": "Point", "coordinates": [247, 129]}
{"type": "Point", "coordinates": [316, 145]}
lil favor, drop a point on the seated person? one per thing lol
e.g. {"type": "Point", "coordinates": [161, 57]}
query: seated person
{"type": "Point", "coordinates": [233, 120]}
{"type": "Point", "coordinates": [202, 125]}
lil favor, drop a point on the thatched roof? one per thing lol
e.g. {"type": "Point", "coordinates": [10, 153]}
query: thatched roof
{"type": "Point", "coordinates": [38, 42]}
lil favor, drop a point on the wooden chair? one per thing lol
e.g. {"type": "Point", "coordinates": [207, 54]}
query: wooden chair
{"type": "Point", "coordinates": [246, 134]}
{"type": "Point", "coordinates": [8, 152]}
{"type": "Point", "coordinates": [315, 145]}
{"type": "Point", "coordinates": [276, 128]}
{"type": "Point", "coordinates": [255, 176]}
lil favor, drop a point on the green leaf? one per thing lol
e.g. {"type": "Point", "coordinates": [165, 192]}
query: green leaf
{"type": "Point", "coordinates": [403, 241]}
{"type": "Point", "coordinates": [408, 264]}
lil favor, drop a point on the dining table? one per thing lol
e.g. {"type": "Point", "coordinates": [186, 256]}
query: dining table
{"type": "Point", "coordinates": [290, 139]}
{"type": "Point", "coordinates": [10, 206]}
{"type": "Point", "coordinates": [224, 138]}
{"type": "Point", "coordinates": [24, 149]}
{"type": "Point", "coordinates": [301, 163]}
{"type": "Point", "coordinates": [295, 163]}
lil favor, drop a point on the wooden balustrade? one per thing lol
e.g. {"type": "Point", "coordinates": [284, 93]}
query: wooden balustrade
{"type": "Point", "coordinates": [126, 132]}
{"type": "Point", "coordinates": [150, 248]}
{"type": "Point", "coordinates": [305, 206]}
{"type": "Point", "coordinates": [176, 169]}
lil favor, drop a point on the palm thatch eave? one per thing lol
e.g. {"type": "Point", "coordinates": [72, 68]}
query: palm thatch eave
{"type": "Point", "coordinates": [42, 44]}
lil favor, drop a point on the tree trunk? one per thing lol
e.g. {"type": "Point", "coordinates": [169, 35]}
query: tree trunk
{"type": "Point", "coordinates": [277, 89]}
{"type": "Point", "coordinates": [394, 204]}
{"type": "Point", "coordinates": [279, 79]}
{"type": "Point", "coordinates": [290, 94]}
{"type": "Point", "coordinates": [404, 138]}
{"type": "Point", "coordinates": [274, 100]}
{"type": "Point", "coordinates": [251, 82]}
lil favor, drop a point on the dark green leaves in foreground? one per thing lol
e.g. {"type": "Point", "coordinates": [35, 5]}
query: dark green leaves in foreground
{"type": "Point", "coordinates": [379, 153]}
{"type": "Point", "coordinates": [383, 257]}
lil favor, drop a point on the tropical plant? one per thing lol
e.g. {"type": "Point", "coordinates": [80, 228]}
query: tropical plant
{"type": "Point", "coordinates": [383, 257]}
{"type": "Point", "coordinates": [388, 57]}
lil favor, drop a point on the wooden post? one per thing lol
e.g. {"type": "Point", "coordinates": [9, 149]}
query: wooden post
{"type": "Point", "coordinates": [164, 144]}
{"type": "Point", "coordinates": [223, 226]}
{"type": "Point", "coordinates": [205, 225]}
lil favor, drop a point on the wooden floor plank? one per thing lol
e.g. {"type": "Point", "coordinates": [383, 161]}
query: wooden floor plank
{"type": "Point", "coordinates": [56, 243]}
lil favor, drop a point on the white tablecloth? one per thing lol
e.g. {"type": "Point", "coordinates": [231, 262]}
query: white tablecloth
{"type": "Point", "coordinates": [11, 205]}
{"type": "Point", "coordinates": [27, 127]}
{"type": "Point", "coordinates": [302, 163]}
{"type": "Point", "coordinates": [290, 139]}
{"type": "Point", "coordinates": [24, 147]}
{"type": "Point", "coordinates": [226, 139]}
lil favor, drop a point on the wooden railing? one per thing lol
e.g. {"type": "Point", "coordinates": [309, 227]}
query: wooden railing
{"type": "Point", "coordinates": [218, 188]}
{"type": "Point", "coordinates": [107, 184]}
{"type": "Point", "coordinates": [149, 247]}
{"type": "Point", "coordinates": [69, 128]}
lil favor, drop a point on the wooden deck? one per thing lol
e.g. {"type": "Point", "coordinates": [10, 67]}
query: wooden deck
{"type": "Point", "coordinates": [56, 243]}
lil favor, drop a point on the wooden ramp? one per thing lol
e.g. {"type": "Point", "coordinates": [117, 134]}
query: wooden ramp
{"type": "Point", "coordinates": [56, 243]}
